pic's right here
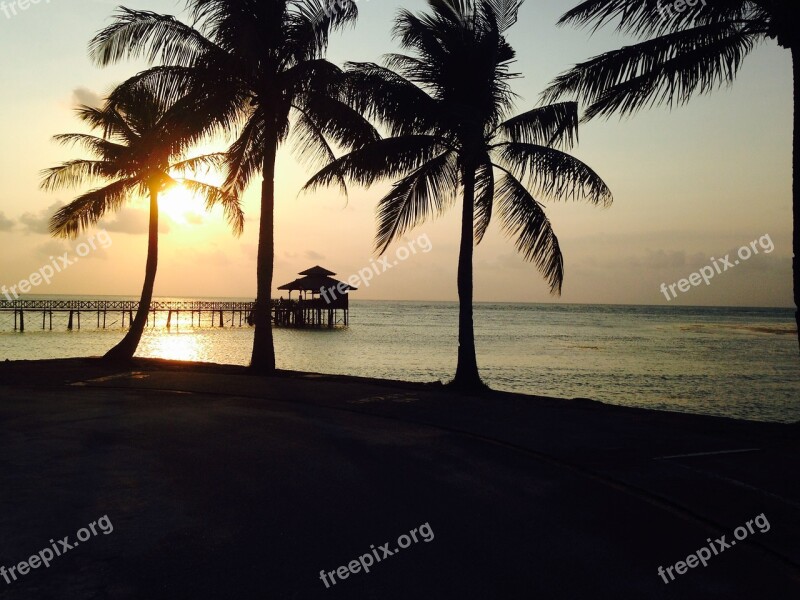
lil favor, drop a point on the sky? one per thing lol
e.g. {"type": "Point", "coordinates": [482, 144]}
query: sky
{"type": "Point", "coordinates": [690, 185]}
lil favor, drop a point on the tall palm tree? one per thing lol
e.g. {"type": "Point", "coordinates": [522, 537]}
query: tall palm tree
{"type": "Point", "coordinates": [681, 54]}
{"type": "Point", "coordinates": [253, 67]}
{"type": "Point", "coordinates": [446, 108]}
{"type": "Point", "coordinates": [140, 147]}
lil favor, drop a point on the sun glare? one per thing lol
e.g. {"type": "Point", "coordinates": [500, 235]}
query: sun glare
{"type": "Point", "coordinates": [181, 205]}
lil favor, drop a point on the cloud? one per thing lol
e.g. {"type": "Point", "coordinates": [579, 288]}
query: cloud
{"type": "Point", "coordinates": [39, 222]}
{"type": "Point", "coordinates": [5, 224]}
{"type": "Point", "coordinates": [664, 259]}
{"type": "Point", "coordinates": [311, 255]}
{"type": "Point", "coordinates": [50, 248]}
{"type": "Point", "coordinates": [652, 259]}
{"type": "Point", "coordinates": [134, 222]}
{"type": "Point", "coordinates": [193, 218]}
{"type": "Point", "coordinates": [86, 96]}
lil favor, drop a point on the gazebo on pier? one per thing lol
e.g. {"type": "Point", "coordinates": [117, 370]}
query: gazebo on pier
{"type": "Point", "coordinates": [320, 298]}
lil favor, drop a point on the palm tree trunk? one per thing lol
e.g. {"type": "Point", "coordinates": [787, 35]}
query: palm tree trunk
{"type": "Point", "coordinates": [796, 187]}
{"type": "Point", "coordinates": [263, 358]}
{"type": "Point", "coordinates": [125, 350]}
{"type": "Point", "coordinates": [467, 376]}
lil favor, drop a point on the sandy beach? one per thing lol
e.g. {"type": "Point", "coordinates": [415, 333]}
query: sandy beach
{"type": "Point", "coordinates": [219, 484]}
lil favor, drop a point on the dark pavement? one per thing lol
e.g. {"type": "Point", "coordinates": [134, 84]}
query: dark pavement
{"type": "Point", "coordinates": [223, 485]}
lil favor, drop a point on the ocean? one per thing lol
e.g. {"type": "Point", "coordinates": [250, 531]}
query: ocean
{"type": "Point", "coordinates": [734, 362]}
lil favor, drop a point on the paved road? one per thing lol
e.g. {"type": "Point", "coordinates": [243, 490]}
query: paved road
{"type": "Point", "coordinates": [221, 486]}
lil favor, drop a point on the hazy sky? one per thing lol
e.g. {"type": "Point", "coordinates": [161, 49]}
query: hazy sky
{"type": "Point", "coordinates": [691, 184]}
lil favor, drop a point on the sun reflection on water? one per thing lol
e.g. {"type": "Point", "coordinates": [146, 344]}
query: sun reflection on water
{"type": "Point", "coordinates": [174, 346]}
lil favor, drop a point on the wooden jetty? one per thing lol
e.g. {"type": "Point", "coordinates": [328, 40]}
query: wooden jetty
{"type": "Point", "coordinates": [214, 312]}
{"type": "Point", "coordinates": [323, 302]}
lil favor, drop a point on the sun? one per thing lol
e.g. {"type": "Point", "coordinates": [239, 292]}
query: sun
{"type": "Point", "coordinates": [181, 205]}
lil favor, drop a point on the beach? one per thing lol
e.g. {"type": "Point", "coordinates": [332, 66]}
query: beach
{"type": "Point", "coordinates": [220, 484]}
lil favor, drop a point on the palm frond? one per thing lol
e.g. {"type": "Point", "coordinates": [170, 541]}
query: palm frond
{"type": "Point", "coordinates": [391, 157]}
{"type": "Point", "coordinates": [151, 36]}
{"type": "Point", "coordinates": [309, 23]}
{"type": "Point", "coordinates": [484, 198]}
{"type": "Point", "coordinates": [552, 173]}
{"type": "Point", "coordinates": [461, 60]}
{"type": "Point", "coordinates": [667, 70]}
{"type": "Point", "coordinates": [98, 146]}
{"type": "Point", "coordinates": [213, 195]}
{"type": "Point", "coordinates": [245, 156]}
{"type": "Point", "coordinates": [204, 163]}
{"type": "Point", "coordinates": [552, 125]}
{"type": "Point", "coordinates": [427, 191]}
{"type": "Point", "coordinates": [167, 82]}
{"type": "Point", "coordinates": [76, 172]}
{"type": "Point", "coordinates": [107, 120]}
{"type": "Point", "coordinates": [86, 210]}
{"type": "Point", "coordinates": [387, 97]}
{"type": "Point", "coordinates": [657, 17]}
{"type": "Point", "coordinates": [337, 121]}
{"type": "Point", "coordinates": [525, 220]}
{"type": "Point", "coordinates": [505, 12]}
{"type": "Point", "coordinates": [311, 147]}
{"type": "Point", "coordinates": [311, 76]}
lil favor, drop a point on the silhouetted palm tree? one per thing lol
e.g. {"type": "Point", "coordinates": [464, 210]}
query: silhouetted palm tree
{"type": "Point", "coordinates": [139, 149]}
{"type": "Point", "coordinates": [681, 54]}
{"type": "Point", "coordinates": [447, 111]}
{"type": "Point", "coordinates": [253, 67]}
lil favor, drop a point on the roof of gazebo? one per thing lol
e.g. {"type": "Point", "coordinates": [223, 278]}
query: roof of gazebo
{"type": "Point", "coordinates": [316, 271]}
{"type": "Point", "coordinates": [315, 279]}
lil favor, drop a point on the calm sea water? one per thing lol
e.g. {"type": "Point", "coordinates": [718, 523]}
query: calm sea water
{"type": "Point", "coordinates": [734, 362]}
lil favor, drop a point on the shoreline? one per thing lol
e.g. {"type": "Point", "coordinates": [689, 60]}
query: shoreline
{"type": "Point", "coordinates": [95, 364]}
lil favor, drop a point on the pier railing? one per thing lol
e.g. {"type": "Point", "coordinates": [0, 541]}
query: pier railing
{"type": "Point", "coordinates": [119, 305]}
{"type": "Point", "coordinates": [295, 313]}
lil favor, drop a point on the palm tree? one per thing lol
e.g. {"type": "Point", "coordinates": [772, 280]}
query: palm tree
{"type": "Point", "coordinates": [253, 67]}
{"type": "Point", "coordinates": [446, 109]}
{"type": "Point", "coordinates": [681, 53]}
{"type": "Point", "coordinates": [139, 148]}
